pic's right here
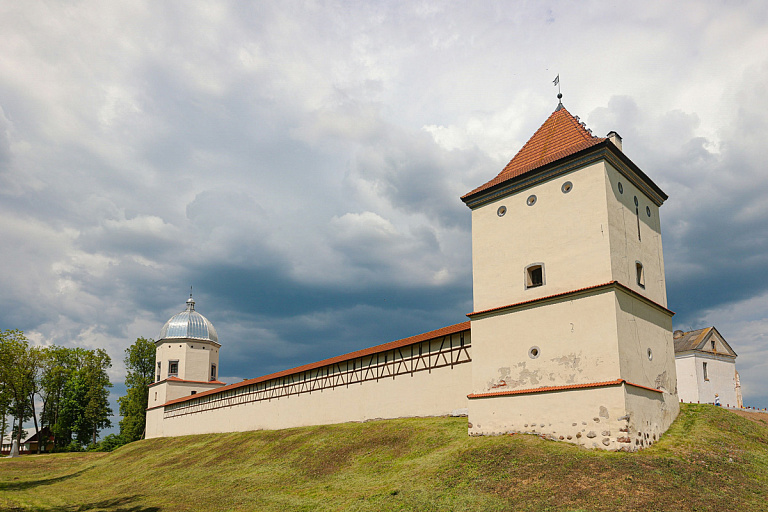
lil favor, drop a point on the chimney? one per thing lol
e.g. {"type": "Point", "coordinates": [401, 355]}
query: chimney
{"type": "Point", "coordinates": [677, 334]}
{"type": "Point", "coordinates": [615, 138]}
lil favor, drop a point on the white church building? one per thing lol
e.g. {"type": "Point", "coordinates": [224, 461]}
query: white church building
{"type": "Point", "coordinates": [706, 368]}
{"type": "Point", "coordinates": [570, 337]}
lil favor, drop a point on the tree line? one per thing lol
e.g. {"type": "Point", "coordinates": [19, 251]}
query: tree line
{"type": "Point", "coordinates": [71, 388]}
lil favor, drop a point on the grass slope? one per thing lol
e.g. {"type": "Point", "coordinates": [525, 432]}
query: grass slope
{"type": "Point", "coordinates": [711, 459]}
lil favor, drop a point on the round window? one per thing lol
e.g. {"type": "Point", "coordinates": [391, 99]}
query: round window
{"type": "Point", "coordinates": [567, 187]}
{"type": "Point", "coordinates": [636, 201]}
{"type": "Point", "coordinates": [534, 352]}
{"type": "Point", "coordinates": [648, 210]}
{"type": "Point", "coordinates": [501, 211]}
{"type": "Point", "coordinates": [531, 200]}
{"type": "Point", "coordinates": [650, 354]}
{"type": "Point", "coordinates": [621, 188]}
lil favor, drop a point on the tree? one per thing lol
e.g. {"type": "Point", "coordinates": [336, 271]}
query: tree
{"type": "Point", "coordinates": [84, 408]}
{"type": "Point", "coordinates": [5, 405]}
{"type": "Point", "coordinates": [18, 368]}
{"type": "Point", "coordinates": [35, 356]}
{"type": "Point", "coordinates": [58, 364]}
{"type": "Point", "coordinates": [140, 366]}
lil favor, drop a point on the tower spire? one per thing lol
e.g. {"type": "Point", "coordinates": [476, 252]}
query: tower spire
{"type": "Point", "coordinates": [190, 301]}
{"type": "Point", "coordinates": [556, 82]}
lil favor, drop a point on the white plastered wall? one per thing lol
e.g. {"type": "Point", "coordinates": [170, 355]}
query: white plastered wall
{"type": "Point", "coordinates": [590, 417]}
{"type": "Point", "coordinates": [195, 358]}
{"type": "Point", "coordinates": [567, 232]}
{"type": "Point", "coordinates": [440, 392]}
{"type": "Point", "coordinates": [641, 328]}
{"type": "Point", "coordinates": [626, 248]}
{"type": "Point", "coordinates": [575, 338]}
{"type": "Point", "coordinates": [721, 378]}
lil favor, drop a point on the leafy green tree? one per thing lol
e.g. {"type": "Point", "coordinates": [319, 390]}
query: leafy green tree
{"type": "Point", "coordinates": [18, 369]}
{"type": "Point", "coordinates": [58, 364]}
{"type": "Point", "coordinates": [84, 408]}
{"type": "Point", "coordinates": [35, 356]}
{"type": "Point", "coordinates": [5, 406]}
{"type": "Point", "coordinates": [140, 366]}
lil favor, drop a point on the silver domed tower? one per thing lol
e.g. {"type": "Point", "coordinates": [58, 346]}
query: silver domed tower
{"type": "Point", "coordinates": [187, 356]}
{"type": "Point", "coordinates": [189, 324]}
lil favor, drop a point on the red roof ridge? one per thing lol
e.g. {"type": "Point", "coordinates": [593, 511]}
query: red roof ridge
{"type": "Point", "coordinates": [559, 136]}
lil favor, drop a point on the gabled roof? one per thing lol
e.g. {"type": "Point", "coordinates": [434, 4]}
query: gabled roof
{"type": "Point", "coordinates": [561, 135]}
{"type": "Point", "coordinates": [698, 340]}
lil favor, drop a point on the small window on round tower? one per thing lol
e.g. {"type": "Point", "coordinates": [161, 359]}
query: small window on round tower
{"type": "Point", "coordinates": [534, 352]}
{"type": "Point", "coordinates": [531, 200]}
{"type": "Point", "coordinates": [650, 354]}
{"type": "Point", "coordinates": [567, 187]}
{"type": "Point", "coordinates": [501, 211]}
{"type": "Point", "coordinates": [621, 188]}
{"type": "Point", "coordinates": [648, 210]}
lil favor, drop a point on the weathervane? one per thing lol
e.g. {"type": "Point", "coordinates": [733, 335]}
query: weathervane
{"type": "Point", "coordinates": [556, 82]}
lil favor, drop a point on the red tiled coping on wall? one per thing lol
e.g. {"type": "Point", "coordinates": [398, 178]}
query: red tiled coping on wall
{"type": "Point", "coordinates": [445, 331]}
{"type": "Point", "coordinates": [176, 379]}
{"type": "Point", "coordinates": [580, 290]}
{"type": "Point", "coordinates": [561, 388]}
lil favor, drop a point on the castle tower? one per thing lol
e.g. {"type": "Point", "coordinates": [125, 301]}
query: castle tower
{"type": "Point", "coordinates": [572, 338]}
{"type": "Point", "coordinates": [187, 357]}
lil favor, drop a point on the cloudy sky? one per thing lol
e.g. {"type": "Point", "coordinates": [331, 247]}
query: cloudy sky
{"type": "Point", "coordinates": [300, 163]}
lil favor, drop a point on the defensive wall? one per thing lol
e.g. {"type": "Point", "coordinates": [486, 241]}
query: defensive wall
{"type": "Point", "coordinates": [424, 375]}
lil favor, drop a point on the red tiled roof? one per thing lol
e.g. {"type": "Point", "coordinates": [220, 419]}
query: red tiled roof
{"type": "Point", "coordinates": [445, 331]}
{"type": "Point", "coordinates": [561, 135]}
{"type": "Point", "coordinates": [561, 388]}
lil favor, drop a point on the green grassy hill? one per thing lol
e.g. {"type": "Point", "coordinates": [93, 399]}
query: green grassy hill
{"type": "Point", "coordinates": [711, 459]}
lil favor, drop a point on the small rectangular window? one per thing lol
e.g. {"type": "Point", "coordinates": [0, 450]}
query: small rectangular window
{"type": "Point", "coordinates": [534, 276]}
{"type": "Point", "coordinates": [173, 368]}
{"type": "Point", "coordinates": [706, 377]}
{"type": "Point", "coordinates": [157, 377]}
{"type": "Point", "coordinates": [213, 372]}
{"type": "Point", "coordinates": [640, 274]}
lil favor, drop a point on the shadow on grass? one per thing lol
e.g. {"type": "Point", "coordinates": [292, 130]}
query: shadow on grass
{"type": "Point", "coordinates": [113, 505]}
{"type": "Point", "coordinates": [29, 484]}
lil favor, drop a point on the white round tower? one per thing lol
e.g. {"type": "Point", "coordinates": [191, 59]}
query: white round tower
{"type": "Point", "coordinates": [187, 357]}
